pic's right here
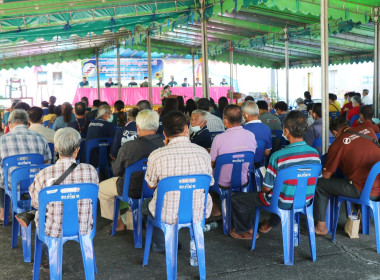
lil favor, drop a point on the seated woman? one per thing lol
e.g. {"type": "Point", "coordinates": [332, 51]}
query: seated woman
{"type": "Point", "coordinates": [119, 116]}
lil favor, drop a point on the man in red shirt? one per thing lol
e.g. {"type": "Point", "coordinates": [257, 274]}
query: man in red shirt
{"type": "Point", "coordinates": [356, 101]}
{"type": "Point", "coordinates": [365, 119]}
{"type": "Point", "coordinates": [347, 153]}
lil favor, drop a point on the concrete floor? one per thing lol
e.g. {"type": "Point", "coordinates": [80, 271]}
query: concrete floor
{"type": "Point", "coordinates": [226, 258]}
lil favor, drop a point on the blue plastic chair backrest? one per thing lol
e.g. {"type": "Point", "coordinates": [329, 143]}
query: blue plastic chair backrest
{"type": "Point", "coordinates": [213, 134]}
{"type": "Point", "coordinates": [236, 159]}
{"type": "Point", "coordinates": [19, 161]}
{"type": "Point", "coordinates": [69, 195]}
{"type": "Point", "coordinates": [22, 178]}
{"type": "Point", "coordinates": [300, 173]}
{"type": "Point", "coordinates": [375, 170]}
{"type": "Point", "coordinates": [46, 123]}
{"type": "Point", "coordinates": [139, 166]}
{"type": "Point", "coordinates": [333, 115]}
{"type": "Point", "coordinates": [318, 141]}
{"type": "Point", "coordinates": [354, 118]}
{"type": "Point", "coordinates": [102, 144]}
{"type": "Point", "coordinates": [378, 136]}
{"type": "Point", "coordinates": [260, 149]}
{"type": "Point", "coordinates": [51, 147]}
{"type": "Point", "coordinates": [186, 185]}
{"type": "Point", "coordinates": [305, 113]}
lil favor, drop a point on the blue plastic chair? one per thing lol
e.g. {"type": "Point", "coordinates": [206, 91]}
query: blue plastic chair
{"type": "Point", "coordinates": [16, 161]}
{"type": "Point", "coordinates": [21, 179]}
{"type": "Point", "coordinates": [186, 185]}
{"type": "Point", "coordinates": [213, 134]}
{"type": "Point", "coordinates": [51, 147]}
{"type": "Point", "coordinates": [136, 204]}
{"type": "Point", "coordinates": [317, 143]}
{"type": "Point", "coordinates": [46, 123]}
{"type": "Point", "coordinates": [69, 195]}
{"type": "Point", "coordinates": [333, 115]}
{"type": "Point", "coordinates": [354, 118]}
{"type": "Point", "coordinates": [103, 144]}
{"type": "Point", "coordinates": [301, 173]}
{"type": "Point", "coordinates": [367, 205]}
{"type": "Point", "coordinates": [378, 136]}
{"type": "Point", "coordinates": [237, 160]}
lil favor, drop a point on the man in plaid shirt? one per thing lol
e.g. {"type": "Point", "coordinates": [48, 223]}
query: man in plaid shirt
{"type": "Point", "coordinates": [179, 157]}
{"type": "Point", "coordinates": [19, 141]}
{"type": "Point", "coordinates": [66, 143]}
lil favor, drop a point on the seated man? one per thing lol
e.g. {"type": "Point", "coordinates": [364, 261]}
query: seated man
{"type": "Point", "coordinates": [190, 159]}
{"type": "Point", "coordinates": [172, 82]}
{"type": "Point", "coordinates": [20, 140]}
{"type": "Point", "coordinates": [223, 83]}
{"type": "Point", "coordinates": [66, 143]}
{"type": "Point", "coordinates": [355, 156]}
{"type": "Point", "coordinates": [44, 106]}
{"type": "Point", "coordinates": [267, 118]}
{"type": "Point", "coordinates": [367, 99]}
{"type": "Point", "coordinates": [144, 105]}
{"type": "Point", "coordinates": [83, 83]}
{"type": "Point", "coordinates": [145, 83]}
{"type": "Point", "coordinates": [281, 109]}
{"type": "Point", "coordinates": [110, 83]}
{"type": "Point", "coordinates": [80, 123]}
{"type": "Point", "coordinates": [200, 134]}
{"type": "Point", "coordinates": [365, 119]}
{"type": "Point", "coordinates": [301, 106]}
{"type": "Point", "coordinates": [185, 83]}
{"type": "Point", "coordinates": [243, 204]}
{"type": "Point", "coordinates": [129, 153]}
{"type": "Point", "coordinates": [126, 133]}
{"type": "Point", "coordinates": [35, 120]}
{"type": "Point", "coordinates": [260, 130]}
{"type": "Point", "coordinates": [93, 113]}
{"type": "Point", "coordinates": [315, 130]}
{"type": "Point", "coordinates": [214, 123]}
{"type": "Point", "coordinates": [334, 105]}
{"type": "Point", "coordinates": [356, 101]}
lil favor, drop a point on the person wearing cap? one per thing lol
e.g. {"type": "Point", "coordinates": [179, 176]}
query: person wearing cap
{"type": "Point", "coordinates": [84, 82]}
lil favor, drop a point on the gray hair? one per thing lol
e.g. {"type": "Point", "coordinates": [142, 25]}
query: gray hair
{"type": "Point", "coordinates": [356, 99]}
{"type": "Point", "coordinates": [299, 101]}
{"type": "Point", "coordinates": [202, 113]}
{"type": "Point", "coordinates": [19, 116]}
{"type": "Point", "coordinates": [143, 105]}
{"type": "Point", "coordinates": [66, 141]}
{"type": "Point", "coordinates": [148, 120]}
{"type": "Point", "coordinates": [250, 107]}
{"type": "Point", "coordinates": [104, 109]}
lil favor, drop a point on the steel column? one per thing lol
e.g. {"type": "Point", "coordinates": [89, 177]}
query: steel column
{"type": "Point", "coordinates": [325, 75]}
{"type": "Point", "coordinates": [118, 68]}
{"type": "Point", "coordinates": [97, 73]}
{"type": "Point", "coordinates": [376, 64]}
{"type": "Point", "coordinates": [149, 51]}
{"type": "Point", "coordinates": [206, 90]}
{"type": "Point", "coordinates": [193, 70]}
{"type": "Point", "coordinates": [286, 65]}
{"type": "Point", "coordinates": [231, 73]}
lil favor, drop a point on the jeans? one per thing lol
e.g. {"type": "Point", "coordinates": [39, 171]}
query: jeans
{"type": "Point", "coordinates": [331, 187]}
{"type": "Point", "coordinates": [158, 236]}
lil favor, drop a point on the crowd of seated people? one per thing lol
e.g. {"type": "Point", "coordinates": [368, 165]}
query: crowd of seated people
{"type": "Point", "coordinates": [177, 140]}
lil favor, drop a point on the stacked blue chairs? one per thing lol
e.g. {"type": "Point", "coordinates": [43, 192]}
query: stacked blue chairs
{"type": "Point", "coordinates": [301, 173]}
{"type": "Point", "coordinates": [213, 134]}
{"type": "Point", "coordinates": [318, 143]}
{"type": "Point", "coordinates": [367, 204]}
{"type": "Point", "coordinates": [21, 179]}
{"type": "Point", "coordinates": [354, 118]}
{"type": "Point", "coordinates": [237, 160]}
{"type": "Point", "coordinates": [186, 185]}
{"type": "Point", "coordinates": [334, 114]}
{"type": "Point", "coordinates": [16, 161]}
{"type": "Point", "coordinates": [136, 204]}
{"type": "Point", "coordinates": [68, 195]}
{"type": "Point", "coordinates": [51, 147]}
{"type": "Point", "coordinates": [103, 144]}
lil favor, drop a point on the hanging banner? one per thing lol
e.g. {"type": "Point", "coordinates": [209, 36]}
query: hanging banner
{"type": "Point", "coordinates": [137, 68]}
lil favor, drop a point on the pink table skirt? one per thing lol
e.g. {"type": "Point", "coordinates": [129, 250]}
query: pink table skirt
{"type": "Point", "coordinates": [131, 96]}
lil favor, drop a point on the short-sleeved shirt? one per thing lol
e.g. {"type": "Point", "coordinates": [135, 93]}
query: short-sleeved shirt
{"type": "Point", "coordinates": [282, 118]}
{"type": "Point", "coordinates": [334, 107]}
{"type": "Point", "coordinates": [80, 125]}
{"type": "Point", "coordinates": [5, 117]}
{"type": "Point", "coordinates": [355, 156]}
{"type": "Point", "coordinates": [346, 106]}
{"type": "Point", "coordinates": [262, 132]}
{"type": "Point", "coordinates": [130, 153]}
{"type": "Point", "coordinates": [21, 140]}
{"type": "Point", "coordinates": [60, 122]}
{"type": "Point", "coordinates": [83, 84]}
{"type": "Point", "coordinates": [214, 123]}
{"type": "Point", "coordinates": [172, 83]}
{"type": "Point", "coordinates": [315, 131]}
{"type": "Point", "coordinates": [180, 157]}
{"type": "Point", "coordinates": [298, 153]}
{"type": "Point", "coordinates": [47, 133]}
{"type": "Point", "coordinates": [201, 138]}
{"type": "Point", "coordinates": [270, 120]}
{"type": "Point", "coordinates": [123, 135]}
{"type": "Point", "coordinates": [233, 140]}
{"type": "Point", "coordinates": [354, 111]}
{"type": "Point", "coordinates": [132, 84]}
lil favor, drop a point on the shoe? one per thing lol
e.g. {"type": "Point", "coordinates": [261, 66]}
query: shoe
{"type": "Point", "coordinates": [25, 218]}
{"type": "Point", "coordinates": [45, 267]}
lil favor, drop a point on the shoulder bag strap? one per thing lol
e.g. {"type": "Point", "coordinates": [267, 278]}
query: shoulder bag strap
{"type": "Point", "coordinates": [65, 174]}
{"type": "Point", "coordinates": [364, 136]}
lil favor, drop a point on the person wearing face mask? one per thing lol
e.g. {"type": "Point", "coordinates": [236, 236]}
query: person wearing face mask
{"type": "Point", "coordinates": [101, 127]}
{"type": "Point", "coordinates": [315, 130]}
{"type": "Point", "coordinates": [198, 125]}
{"type": "Point", "coordinates": [145, 83]}
{"type": "Point", "coordinates": [296, 153]}
{"type": "Point", "coordinates": [172, 82]}
{"type": "Point", "coordinates": [132, 83]}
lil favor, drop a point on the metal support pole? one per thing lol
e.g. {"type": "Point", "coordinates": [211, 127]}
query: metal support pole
{"type": "Point", "coordinates": [376, 64]}
{"type": "Point", "coordinates": [149, 51]}
{"type": "Point", "coordinates": [286, 65]}
{"type": "Point", "coordinates": [118, 69]}
{"type": "Point", "coordinates": [206, 89]}
{"type": "Point", "coordinates": [193, 69]}
{"type": "Point", "coordinates": [97, 73]}
{"type": "Point", "coordinates": [231, 73]}
{"type": "Point", "coordinates": [325, 75]}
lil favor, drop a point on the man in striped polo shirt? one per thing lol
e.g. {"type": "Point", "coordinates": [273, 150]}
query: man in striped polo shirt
{"type": "Point", "coordinates": [296, 153]}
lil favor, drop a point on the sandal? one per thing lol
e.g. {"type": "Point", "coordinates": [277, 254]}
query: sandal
{"type": "Point", "coordinates": [243, 236]}
{"type": "Point", "coordinates": [265, 227]}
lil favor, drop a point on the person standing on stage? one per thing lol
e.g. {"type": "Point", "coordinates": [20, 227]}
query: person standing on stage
{"type": "Point", "coordinates": [84, 82]}
{"type": "Point", "coordinates": [109, 83]}
{"type": "Point", "coordinates": [172, 83]}
{"type": "Point", "coordinates": [132, 83]}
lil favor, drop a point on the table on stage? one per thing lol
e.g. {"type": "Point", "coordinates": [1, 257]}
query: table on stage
{"type": "Point", "coordinates": [131, 96]}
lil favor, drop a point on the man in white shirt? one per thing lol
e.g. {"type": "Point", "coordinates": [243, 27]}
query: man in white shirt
{"type": "Point", "coordinates": [214, 123]}
{"type": "Point", "coordinates": [35, 120]}
{"type": "Point", "coordinates": [366, 99]}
